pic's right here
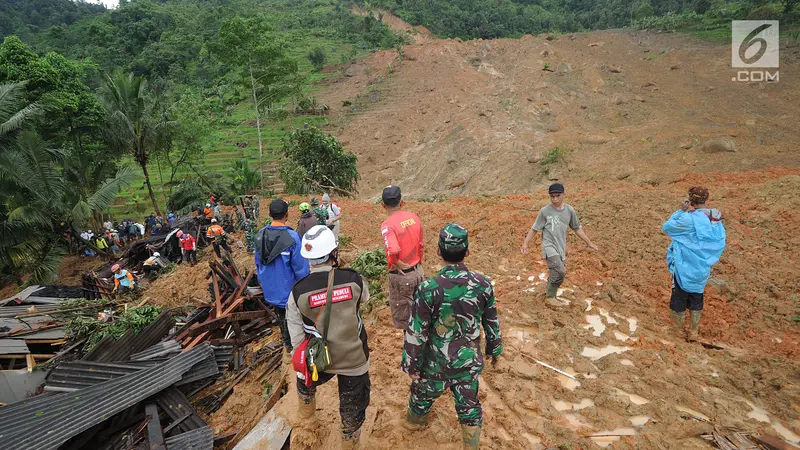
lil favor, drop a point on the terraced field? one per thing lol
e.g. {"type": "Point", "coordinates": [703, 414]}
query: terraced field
{"type": "Point", "coordinates": [240, 127]}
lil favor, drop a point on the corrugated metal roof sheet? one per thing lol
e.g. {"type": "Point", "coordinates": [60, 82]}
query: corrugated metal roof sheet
{"type": "Point", "coordinates": [48, 422]}
{"type": "Point", "coordinates": [119, 350]}
{"type": "Point", "coordinates": [10, 346]}
{"type": "Point", "coordinates": [179, 408]}
{"type": "Point", "coordinates": [11, 311]}
{"type": "Point", "coordinates": [161, 349]}
{"type": "Point", "coordinates": [199, 439]}
{"type": "Point", "coordinates": [71, 376]}
{"type": "Point", "coordinates": [52, 333]}
{"type": "Point", "coordinates": [21, 296]}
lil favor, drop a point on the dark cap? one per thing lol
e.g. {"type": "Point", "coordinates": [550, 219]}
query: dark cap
{"type": "Point", "coordinates": [391, 195]}
{"type": "Point", "coordinates": [453, 238]}
{"type": "Point", "coordinates": [556, 188]}
{"type": "Point", "coordinates": [278, 208]}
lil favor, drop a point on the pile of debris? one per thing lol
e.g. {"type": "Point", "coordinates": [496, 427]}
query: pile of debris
{"type": "Point", "coordinates": [99, 283]}
{"type": "Point", "coordinates": [149, 390]}
{"type": "Point", "coordinates": [31, 333]}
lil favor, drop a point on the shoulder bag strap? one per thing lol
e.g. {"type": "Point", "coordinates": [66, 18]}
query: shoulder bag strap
{"type": "Point", "coordinates": [326, 319]}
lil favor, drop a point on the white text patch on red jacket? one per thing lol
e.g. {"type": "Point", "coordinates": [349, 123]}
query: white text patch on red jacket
{"type": "Point", "coordinates": [338, 295]}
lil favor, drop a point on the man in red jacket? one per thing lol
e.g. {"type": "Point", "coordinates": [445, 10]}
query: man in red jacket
{"type": "Point", "coordinates": [188, 247]}
{"type": "Point", "coordinates": [402, 235]}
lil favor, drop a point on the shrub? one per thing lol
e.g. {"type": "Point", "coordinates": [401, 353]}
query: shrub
{"type": "Point", "coordinates": [558, 153]}
{"type": "Point", "coordinates": [316, 160]}
{"type": "Point", "coordinates": [318, 58]}
{"type": "Point", "coordinates": [372, 265]}
{"type": "Point", "coordinates": [133, 319]}
{"type": "Point", "coordinates": [245, 179]}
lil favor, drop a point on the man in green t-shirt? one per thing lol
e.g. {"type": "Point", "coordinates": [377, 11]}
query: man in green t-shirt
{"type": "Point", "coordinates": [553, 221]}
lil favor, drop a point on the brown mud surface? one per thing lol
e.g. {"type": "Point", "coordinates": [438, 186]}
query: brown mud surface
{"type": "Point", "coordinates": [471, 122]}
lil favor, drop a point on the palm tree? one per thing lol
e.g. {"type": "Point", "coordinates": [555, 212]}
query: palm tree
{"type": "Point", "coordinates": [137, 123]}
{"type": "Point", "coordinates": [37, 204]}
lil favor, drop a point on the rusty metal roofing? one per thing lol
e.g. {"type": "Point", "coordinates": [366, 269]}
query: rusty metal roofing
{"type": "Point", "coordinates": [109, 350]}
{"type": "Point", "coordinates": [199, 439]}
{"type": "Point", "coordinates": [46, 422]}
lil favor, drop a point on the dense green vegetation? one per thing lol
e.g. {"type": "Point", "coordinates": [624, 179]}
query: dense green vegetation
{"type": "Point", "coordinates": [163, 101]}
{"type": "Point", "coordinates": [469, 19]}
{"type": "Point", "coordinates": [157, 103]}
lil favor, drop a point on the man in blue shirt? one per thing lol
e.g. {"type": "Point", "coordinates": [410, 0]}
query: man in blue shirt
{"type": "Point", "coordinates": [279, 263]}
{"type": "Point", "coordinates": [698, 240]}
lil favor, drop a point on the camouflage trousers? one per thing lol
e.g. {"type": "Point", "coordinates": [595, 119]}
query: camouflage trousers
{"type": "Point", "coordinates": [465, 393]}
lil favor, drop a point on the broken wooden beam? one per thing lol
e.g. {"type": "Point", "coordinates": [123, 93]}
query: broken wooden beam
{"type": "Point", "coordinates": [224, 320]}
{"type": "Point", "coordinates": [155, 436]}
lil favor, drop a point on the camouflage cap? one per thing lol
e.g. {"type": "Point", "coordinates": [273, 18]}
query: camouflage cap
{"type": "Point", "coordinates": [453, 238]}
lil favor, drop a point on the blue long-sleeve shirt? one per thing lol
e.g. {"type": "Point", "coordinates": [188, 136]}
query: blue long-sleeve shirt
{"type": "Point", "coordinates": [278, 277]}
{"type": "Point", "coordinates": [698, 240]}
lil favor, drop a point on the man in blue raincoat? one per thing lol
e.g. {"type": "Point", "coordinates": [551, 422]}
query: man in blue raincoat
{"type": "Point", "coordinates": [698, 240]}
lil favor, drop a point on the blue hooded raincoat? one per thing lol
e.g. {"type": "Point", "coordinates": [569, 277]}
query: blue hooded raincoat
{"type": "Point", "coordinates": [698, 239]}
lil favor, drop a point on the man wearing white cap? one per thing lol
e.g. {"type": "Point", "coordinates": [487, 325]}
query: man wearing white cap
{"type": "Point", "coordinates": [334, 214]}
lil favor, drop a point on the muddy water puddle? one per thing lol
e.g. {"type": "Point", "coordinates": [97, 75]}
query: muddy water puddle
{"type": "Point", "coordinates": [762, 415]}
{"type": "Point", "coordinates": [607, 437]}
{"type": "Point", "coordinates": [599, 353]}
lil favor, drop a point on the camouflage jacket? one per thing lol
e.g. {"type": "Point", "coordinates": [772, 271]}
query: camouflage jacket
{"type": "Point", "coordinates": [322, 215]}
{"type": "Point", "coordinates": [443, 337]}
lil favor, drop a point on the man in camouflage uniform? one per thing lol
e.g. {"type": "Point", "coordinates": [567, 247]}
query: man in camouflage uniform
{"type": "Point", "coordinates": [250, 232]}
{"type": "Point", "coordinates": [319, 211]}
{"type": "Point", "coordinates": [442, 345]}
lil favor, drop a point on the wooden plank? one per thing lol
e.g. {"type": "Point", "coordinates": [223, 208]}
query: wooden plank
{"type": "Point", "coordinates": [31, 362]}
{"type": "Point", "coordinates": [217, 299]}
{"type": "Point", "coordinates": [155, 437]}
{"type": "Point", "coordinates": [29, 355]}
{"type": "Point", "coordinates": [772, 442]}
{"type": "Point", "coordinates": [220, 322]}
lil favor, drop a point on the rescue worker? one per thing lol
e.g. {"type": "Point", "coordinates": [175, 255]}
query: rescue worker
{"type": "Point", "coordinates": [101, 243]}
{"type": "Point", "coordinates": [553, 221]}
{"type": "Point", "coordinates": [279, 264]}
{"type": "Point", "coordinates": [208, 212]}
{"type": "Point", "coordinates": [442, 344]}
{"type": "Point", "coordinates": [345, 333]}
{"type": "Point", "coordinates": [217, 210]}
{"type": "Point", "coordinates": [334, 214]}
{"type": "Point", "coordinates": [218, 238]}
{"type": "Point", "coordinates": [698, 240]}
{"type": "Point", "coordinates": [319, 212]}
{"type": "Point", "coordinates": [307, 219]}
{"type": "Point", "coordinates": [405, 247]}
{"type": "Point", "coordinates": [123, 280]}
{"type": "Point", "coordinates": [188, 247]}
{"type": "Point", "coordinates": [153, 264]}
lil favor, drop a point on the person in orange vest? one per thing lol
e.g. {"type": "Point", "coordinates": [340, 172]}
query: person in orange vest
{"type": "Point", "coordinates": [208, 212]}
{"type": "Point", "coordinates": [123, 280]}
{"type": "Point", "coordinates": [216, 233]}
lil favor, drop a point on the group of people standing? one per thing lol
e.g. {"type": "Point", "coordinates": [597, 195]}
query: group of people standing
{"type": "Point", "coordinates": [440, 316]}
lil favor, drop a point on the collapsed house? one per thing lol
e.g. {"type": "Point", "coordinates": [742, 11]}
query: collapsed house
{"type": "Point", "coordinates": [29, 336]}
{"type": "Point", "coordinates": [99, 283]}
{"type": "Point", "coordinates": [142, 390]}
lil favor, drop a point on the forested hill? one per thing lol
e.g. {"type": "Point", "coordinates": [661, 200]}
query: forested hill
{"type": "Point", "coordinates": [151, 106]}
{"type": "Point", "coordinates": [470, 19]}
{"type": "Point", "coordinates": [26, 18]}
